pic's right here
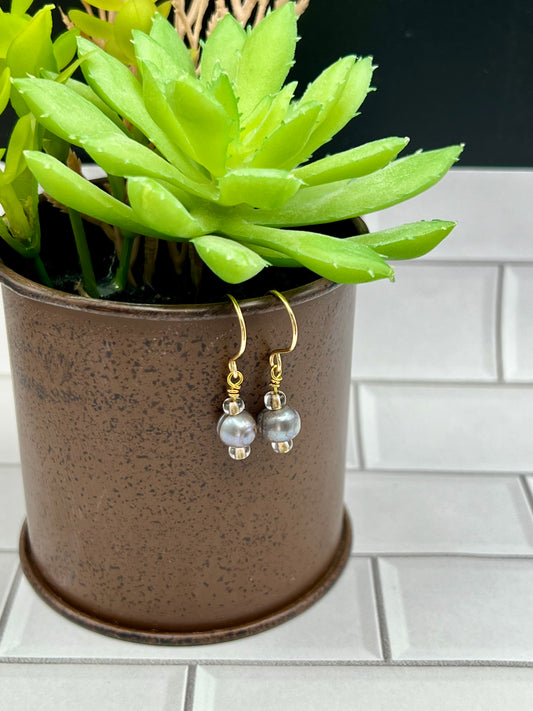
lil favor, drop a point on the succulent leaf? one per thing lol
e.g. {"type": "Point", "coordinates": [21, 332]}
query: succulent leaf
{"type": "Point", "coordinates": [10, 26]}
{"type": "Point", "coordinates": [133, 15]}
{"type": "Point", "coordinates": [204, 121]}
{"type": "Point", "coordinates": [5, 88]}
{"type": "Point", "coordinates": [274, 258]}
{"type": "Point", "coordinates": [282, 148]}
{"type": "Point", "coordinates": [166, 36]}
{"type": "Point", "coordinates": [89, 95]}
{"type": "Point", "coordinates": [117, 86]}
{"type": "Point", "coordinates": [406, 241]}
{"type": "Point", "coordinates": [48, 99]}
{"type": "Point", "coordinates": [258, 188]}
{"type": "Point", "coordinates": [22, 138]}
{"type": "Point", "coordinates": [108, 5]}
{"type": "Point", "coordinates": [19, 7]}
{"type": "Point", "coordinates": [156, 101]}
{"type": "Point", "coordinates": [224, 94]}
{"type": "Point", "coordinates": [148, 50]}
{"type": "Point", "coordinates": [31, 50]}
{"type": "Point", "coordinates": [231, 261]}
{"type": "Point", "coordinates": [158, 208]}
{"type": "Point", "coordinates": [258, 128]}
{"type": "Point", "coordinates": [400, 180]}
{"type": "Point", "coordinates": [352, 163]}
{"type": "Point", "coordinates": [338, 113]}
{"type": "Point", "coordinates": [327, 87]}
{"type": "Point", "coordinates": [223, 47]}
{"type": "Point", "coordinates": [267, 56]}
{"type": "Point", "coordinates": [79, 194]}
{"type": "Point", "coordinates": [337, 259]}
{"type": "Point", "coordinates": [90, 25]}
{"type": "Point", "coordinates": [65, 47]}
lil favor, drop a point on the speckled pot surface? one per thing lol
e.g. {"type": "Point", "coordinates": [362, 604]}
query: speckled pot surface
{"type": "Point", "coordinates": [138, 522]}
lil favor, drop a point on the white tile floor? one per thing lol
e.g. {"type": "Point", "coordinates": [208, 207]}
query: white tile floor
{"type": "Point", "coordinates": [435, 608]}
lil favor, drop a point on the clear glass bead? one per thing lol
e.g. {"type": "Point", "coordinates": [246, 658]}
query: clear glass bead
{"type": "Point", "coordinates": [275, 401]}
{"type": "Point", "coordinates": [233, 407]}
{"type": "Point", "coordinates": [239, 453]}
{"type": "Point", "coordinates": [282, 447]}
{"type": "Point", "coordinates": [237, 430]}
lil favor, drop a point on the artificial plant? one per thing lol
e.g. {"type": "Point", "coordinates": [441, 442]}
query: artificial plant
{"type": "Point", "coordinates": [210, 151]}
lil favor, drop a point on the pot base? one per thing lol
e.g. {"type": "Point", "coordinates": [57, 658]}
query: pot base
{"type": "Point", "coordinates": [222, 634]}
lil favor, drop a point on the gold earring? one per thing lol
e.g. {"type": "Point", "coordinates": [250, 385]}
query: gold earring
{"type": "Point", "coordinates": [278, 422]}
{"type": "Point", "coordinates": [236, 428]}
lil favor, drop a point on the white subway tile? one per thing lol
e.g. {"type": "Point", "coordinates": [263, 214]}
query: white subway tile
{"type": "Point", "coordinates": [88, 688]}
{"type": "Point", "coordinates": [459, 608]}
{"type": "Point", "coordinates": [491, 207]}
{"type": "Point", "coordinates": [9, 449]}
{"type": "Point", "coordinates": [12, 507]}
{"type": "Point", "coordinates": [232, 688]}
{"type": "Point", "coordinates": [517, 323]}
{"type": "Point", "coordinates": [341, 626]}
{"type": "Point", "coordinates": [432, 513]}
{"type": "Point", "coordinates": [485, 428]}
{"type": "Point", "coordinates": [5, 367]}
{"type": "Point", "coordinates": [436, 322]}
{"type": "Point", "coordinates": [8, 567]}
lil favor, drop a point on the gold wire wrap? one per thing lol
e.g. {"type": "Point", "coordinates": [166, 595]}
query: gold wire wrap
{"type": "Point", "coordinates": [276, 372]}
{"type": "Point", "coordinates": [235, 377]}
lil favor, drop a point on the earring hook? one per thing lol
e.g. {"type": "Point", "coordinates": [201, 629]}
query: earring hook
{"type": "Point", "coordinates": [294, 325]}
{"type": "Point", "coordinates": [242, 324]}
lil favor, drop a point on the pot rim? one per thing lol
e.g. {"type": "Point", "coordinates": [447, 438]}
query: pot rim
{"type": "Point", "coordinates": [38, 292]}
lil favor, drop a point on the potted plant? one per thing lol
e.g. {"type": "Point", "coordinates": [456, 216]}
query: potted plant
{"type": "Point", "coordinates": [139, 524]}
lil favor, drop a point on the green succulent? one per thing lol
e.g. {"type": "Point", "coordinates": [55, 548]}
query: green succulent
{"type": "Point", "coordinates": [219, 157]}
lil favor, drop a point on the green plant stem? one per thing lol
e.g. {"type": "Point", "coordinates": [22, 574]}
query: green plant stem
{"type": "Point", "coordinates": [41, 271]}
{"type": "Point", "coordinates": [121, 276]}
{"type": "Point", "coordinates": [16, 217]}
{"type": "Point", "coordinates": [89, 280]}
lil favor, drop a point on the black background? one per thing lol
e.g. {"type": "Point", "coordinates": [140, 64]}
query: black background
{"type": "Point", "coordinates": [448, 71]}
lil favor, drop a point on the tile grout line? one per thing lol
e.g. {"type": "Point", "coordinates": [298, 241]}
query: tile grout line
{"type": "Point", "coordinates": [498, 343]}
{"type": "Point", "coordinates": [380, 606]}
{"type": "Point", "coordinates": [442, 554]}
{"type": "Point", "coordinates": [445, 383]}
{"type": "Point", "coordinates": [10, 600]}
{"type": "Point", "coordinates": [287, 663]}
{"type": "Point", "coordinates": [358, 426]}
{"type": "Point", "coordinates": [190, 688]}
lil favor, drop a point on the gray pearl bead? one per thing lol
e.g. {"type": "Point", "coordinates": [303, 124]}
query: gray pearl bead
{"type": "Point", "coordinates": [279, 425]}
{"type": "Point", "coordinates": [237, 430]}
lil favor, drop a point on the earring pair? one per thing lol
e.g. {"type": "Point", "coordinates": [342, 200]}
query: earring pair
{"type": "Point", "coordinates": [277, 422]}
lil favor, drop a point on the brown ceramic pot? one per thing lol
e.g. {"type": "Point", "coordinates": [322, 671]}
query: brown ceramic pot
{"type": "Point", "coordinates": [139, 524]}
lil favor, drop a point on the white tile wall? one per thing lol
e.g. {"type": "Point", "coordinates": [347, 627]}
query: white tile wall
{"type": "Point", "coordinates": [11, 507]}
{"type": "Point", "coordinates": [435, 322]}
{"type": "Point", "coordinates": [433, 513]}
{"type": "Point", "coordinates": [363, 689]}
{"type": "Point", "coordinates": [492, 209]}
{"type": "Point", "coordinates": [517, 323]}
{"type": "Point", "coordinates": [9, 450]}
{"type": "Point", "coordinates": [440, 436]}
{"type": "Point", "coordinates": [102, 688]}
{"type": "Point", "coordinates": [459, 608]}
{"type": "Point", "coordinates": [8, 566]}
{"type": "Point", "coordinates": [341, 626]}
{"type": "Point", "coordinates": [486, 428]}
